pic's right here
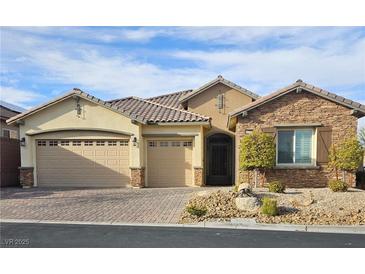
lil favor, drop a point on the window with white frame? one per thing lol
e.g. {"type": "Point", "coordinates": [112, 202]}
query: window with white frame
{"type": "Point", "coordinates": [124, 143]}
{"type": "Point", "coordinates": [295, 147]}
{"type": "Point", "coordinates": [164, 144]}
{"type": "Point", "coordinates": [152, 144]}
{"type": "Point", "coordinates": [175, 144]}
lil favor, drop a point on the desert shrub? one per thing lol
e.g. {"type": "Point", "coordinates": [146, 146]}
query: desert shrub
{"type": "Point", "coordinates": [269, 207]}
{"type": "Point", "coordinates": [196, 211]}
{"type": "Point", "coordinates": [337, 186]}
{"type": "Point", "coordinates": [346, 156]}
{"type": "Point", "coordinates": [277, 187]}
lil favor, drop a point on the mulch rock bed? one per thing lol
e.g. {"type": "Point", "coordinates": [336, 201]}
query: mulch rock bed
{"type": "Point", "coordinates": [296, 206]}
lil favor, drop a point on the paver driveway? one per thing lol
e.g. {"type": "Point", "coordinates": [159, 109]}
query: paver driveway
{"type": "Point", "coordinates": [95, 205]}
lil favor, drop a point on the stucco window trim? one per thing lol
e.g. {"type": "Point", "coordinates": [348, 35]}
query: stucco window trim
{"type": "Point", "coordinates": [297, 165]}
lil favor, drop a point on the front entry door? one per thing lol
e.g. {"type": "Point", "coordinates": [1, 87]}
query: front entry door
{"type": "Point", "coordinates": [219, 160]}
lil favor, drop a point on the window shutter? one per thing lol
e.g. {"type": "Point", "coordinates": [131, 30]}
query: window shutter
{"type": "Point", "coordinates": [324, 141]}
{"type": "Point", "coordinates": [270, 130]}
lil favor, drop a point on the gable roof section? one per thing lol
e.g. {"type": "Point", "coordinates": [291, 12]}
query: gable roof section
{"type": "Point", "coordinates": [218, 80]}
{"type": "Point", "coordinates": [171, 99]}
{"type": "Point", "coordinates": [150, 112]}
{"type": "Point", "coordinates": [307, 87]}
{"type": "Point", "coordinates": [132, 107]}
{"type": "Point", "coordinates": [74, 92]}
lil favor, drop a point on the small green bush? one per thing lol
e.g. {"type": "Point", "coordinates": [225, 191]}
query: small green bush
{"type": "Point", "coordinates": [195, 211]}
{"type": "Point", "coordinates": [277, 187]}
{"type": "Point", "coordinates": [235, 188]}
{"type": "Point", "coordinates": [269, 207]}
{"type": "Point", "coordinates": [337, 186]}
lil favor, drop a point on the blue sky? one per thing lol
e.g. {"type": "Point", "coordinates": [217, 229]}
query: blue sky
{"type": "Point", "coordinates": [111, 62]}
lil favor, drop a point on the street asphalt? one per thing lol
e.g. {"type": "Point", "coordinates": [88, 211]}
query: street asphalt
{"type": "Point", "coordinates": [78, 235]}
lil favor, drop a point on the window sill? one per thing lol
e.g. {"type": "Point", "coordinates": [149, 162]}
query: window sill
{"type": "Point", "coordinates": [296, 167]}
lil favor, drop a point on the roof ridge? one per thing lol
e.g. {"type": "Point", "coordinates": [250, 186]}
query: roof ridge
{"type": "Point", "coordinates": [168, 94]}
{"type": "Point", "coordinates": [215, 81]}
{"type": "Point", "coordinates": [311, 88]}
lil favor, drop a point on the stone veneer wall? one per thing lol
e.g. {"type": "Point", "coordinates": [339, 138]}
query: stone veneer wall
{"type": "Point", "coordinates": [301, 108]}
{"type": "Point", "coordinates": [198, 176]}
{"type": "Point", "coordinates": [138, 177]}
{"type": "Point", "coordinates": [26, 176]}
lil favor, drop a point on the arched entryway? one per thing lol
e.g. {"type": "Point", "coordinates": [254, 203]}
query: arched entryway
{"type": "Point", "coordinates": [219, 159]}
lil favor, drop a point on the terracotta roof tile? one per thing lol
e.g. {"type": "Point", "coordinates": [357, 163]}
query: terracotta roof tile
{"type": "Point", "coordinates": [148, 111]}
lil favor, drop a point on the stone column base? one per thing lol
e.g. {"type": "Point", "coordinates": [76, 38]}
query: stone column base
{"type": "Point", "coordinates": [198, 176]}
{"type": "Point", "coordinates": [137, 177]}
{"type": "Point", "coordinates": [26, 177]}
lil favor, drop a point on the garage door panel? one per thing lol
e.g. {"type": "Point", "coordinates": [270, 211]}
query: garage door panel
{"type": "Point", "coordinates": [83, 164]}
{"type": "Point", "coordinates": [169, 166]}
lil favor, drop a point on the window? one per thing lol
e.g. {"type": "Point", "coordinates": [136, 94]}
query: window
{"type": "Point", "coordinates": [41, 143]}
{"type": "Point", "coordinates": [88, 143]}
{"type": "Point", "coordinates": [175, 144]}
{"type": "Point", "coordinates": [53, 143]}
{"type": "Point", "coordinates": [152, 144]}
{"type": "Point", "coordinates": [100, 143]}
{"type": "Point", "coordinates": [164, 144]}
{"type": "Point", "coordinates": [9, 133]}
{"type": "Point", "coordinates": [187, 144]}
{"type": "Point", "coordinates": [65, 143]}
{"type": "Point", "coordinates": [295, 147]}
{"type": "Point", "coordinates": [76, 143]}
{"type": "Point", "coordinates": [124, 143]}
{"type": "Point", "coordinates": [112, 143]}
{"type": "Point", "coordinates": [6, 133]}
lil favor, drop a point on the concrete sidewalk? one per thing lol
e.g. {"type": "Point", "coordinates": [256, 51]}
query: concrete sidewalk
{"type": "Point", "coordinates": [234, 224]}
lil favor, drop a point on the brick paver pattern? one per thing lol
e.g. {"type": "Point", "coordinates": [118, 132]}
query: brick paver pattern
{"type": "Point", "coordinates": [95, 205]}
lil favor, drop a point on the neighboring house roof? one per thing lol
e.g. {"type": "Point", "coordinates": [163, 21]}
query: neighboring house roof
{"type": "Point", "coordinates": [307, 87]}
{"type": "Point", "coordinates": [8, 110]}
{"type": "Point", "coordinates": [151, 112]}
{"type": "Point", "coordinates": [134, 108]}
{"type": "Point", "coordinates": [221, 80]}
{"type": "Point", "coordinates": [11, 107]}
{"type": "Point", "coordinates": [171, 99]}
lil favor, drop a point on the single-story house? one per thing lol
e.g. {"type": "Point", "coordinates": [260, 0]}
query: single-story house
{"type": "Point", "coordinates": [186, 138]}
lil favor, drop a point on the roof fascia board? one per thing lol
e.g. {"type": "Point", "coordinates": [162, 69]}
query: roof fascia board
{"type": "Point", "coordinates": [38, 132]}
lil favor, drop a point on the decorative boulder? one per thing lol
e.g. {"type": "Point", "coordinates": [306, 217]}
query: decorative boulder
{"type": "Point", "coordinates": [247, 203]}
{"type": "Point", "coordinates": [244, 186]}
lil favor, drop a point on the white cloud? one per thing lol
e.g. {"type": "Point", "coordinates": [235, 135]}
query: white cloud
{"type": "Point", "coordinates": [19, 97]}
{"type": "Point", "coordinates": [323, 58]}
{"type": "Point", "coordinates": [275, 68]}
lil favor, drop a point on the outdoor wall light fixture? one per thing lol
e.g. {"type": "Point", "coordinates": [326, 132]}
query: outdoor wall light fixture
{"type": "Point", "coordinates": [22, 142]}
{"type": "Point", "coordinates": [134, 141]}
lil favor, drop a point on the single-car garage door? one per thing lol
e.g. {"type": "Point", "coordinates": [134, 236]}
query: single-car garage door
{"type": "Point", "coordinates": [169, 163]}
{"type": "Point", "coordinates": [83, 163]}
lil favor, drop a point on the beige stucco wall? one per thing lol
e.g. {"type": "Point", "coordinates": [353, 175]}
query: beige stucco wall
{"type": "Point", "coordinates": [205, 103]}
{"type": "Point", "coordinates": [63, 115]}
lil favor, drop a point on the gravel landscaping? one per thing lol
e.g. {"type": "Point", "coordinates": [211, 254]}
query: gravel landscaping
{"type": "Point", "coordinates": [296, 206]}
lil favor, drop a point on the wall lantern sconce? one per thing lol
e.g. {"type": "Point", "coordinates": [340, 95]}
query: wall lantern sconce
{"type": "Point", "coordinates": [22, 142]}
{"type": "Point", "coordinates": [134, 141]}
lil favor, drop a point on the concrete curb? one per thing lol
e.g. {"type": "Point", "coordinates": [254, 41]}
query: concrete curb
{"type": "Point", "coordinates": [233, 224]}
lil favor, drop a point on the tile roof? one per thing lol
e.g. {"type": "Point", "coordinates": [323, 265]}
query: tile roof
{"type": "Point", "coordinates": [310, 88]}
{"type": "Point", "coordinates": [219, 79]}
{"type": "Point", "coordinates": [148, 111]}
{"type": "Point", "coordinates": [133, 107]}
{"type": "Point", "coordinates": [171, 99]}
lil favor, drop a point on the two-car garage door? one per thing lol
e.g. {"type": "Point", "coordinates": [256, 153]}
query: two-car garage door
{"type": "Point", "coordinates": [83, 163]}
